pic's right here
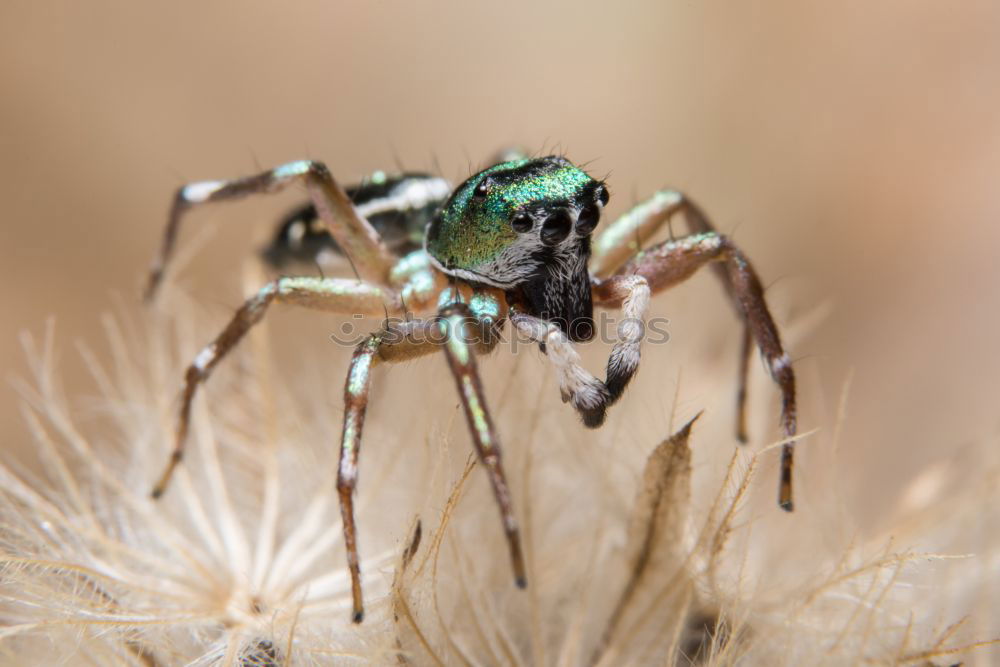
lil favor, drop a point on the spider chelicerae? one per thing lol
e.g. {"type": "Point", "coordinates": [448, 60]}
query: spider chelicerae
{"type": "Point", "coordinates": [513, 243]}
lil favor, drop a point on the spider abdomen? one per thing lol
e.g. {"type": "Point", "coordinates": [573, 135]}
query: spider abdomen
{"type": "Point", "coordinates": [398, 206]}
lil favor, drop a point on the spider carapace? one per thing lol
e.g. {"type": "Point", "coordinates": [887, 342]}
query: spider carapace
{"type": "Point", "coordinates": [512, 244]}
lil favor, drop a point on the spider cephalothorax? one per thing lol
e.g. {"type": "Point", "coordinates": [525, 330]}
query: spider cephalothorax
{"type": "Point", "coordinates": [525, 225]}
{"type": "Point", "coordinates": [512, 244]}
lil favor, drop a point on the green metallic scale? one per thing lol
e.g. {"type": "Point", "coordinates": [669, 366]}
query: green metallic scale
{"type": "Point", "coordinates": [512, 244]}
{"type": "Point", "coordinates": [475, 229]}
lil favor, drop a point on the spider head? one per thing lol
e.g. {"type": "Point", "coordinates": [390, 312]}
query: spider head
{"type": "Point", "coordinates": [496, 226]}
{"type": "Point", "coordinates": [524, 224]}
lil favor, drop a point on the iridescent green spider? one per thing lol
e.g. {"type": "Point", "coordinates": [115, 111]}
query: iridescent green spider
{"type": "Point", "coordinates": [512, 243]}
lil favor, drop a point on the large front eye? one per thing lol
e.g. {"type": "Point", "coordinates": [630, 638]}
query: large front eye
{"type": "Point", "coordinates": [590, 215]}
{"type": "Point", "coordinates": [480, 191]}
{"type": "Point", "coordinates": [522, 222]}
{"type": "Point", "coordinates": [556, 227]}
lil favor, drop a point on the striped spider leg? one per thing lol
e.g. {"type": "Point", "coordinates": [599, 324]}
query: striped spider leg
{"type": "Point", "coordinates": [353, 234]}
{"type": "Point", "coordinates": [351, 230]}
{"type": "Point", "coordinates": [334, 295]}
{"type": "Point", "coordinates": [462, 330]}
{"type": "Point", "coordinates": [672, 262]}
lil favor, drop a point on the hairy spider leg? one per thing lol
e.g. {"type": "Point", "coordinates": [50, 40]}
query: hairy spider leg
{"type": "Point", "coordinates": [623, 240]}
{"type": "Point", "coordinates": [672, 262]}
{"type": "Point", "coordinates": [462, 332]}
{"type": "Point", "coordinates": [592, 397]}
{"type": "Point", "coordinates": [698, 223]}
{"type": "Point", "coordinates": [353, 233]}
{"type": "Point", "coordinates": [743, 376]}
{"type": "Point", "coordinates": [336, 295]}
{"type": "Point", "coordinates": [587, 394]}
{"type": "Point", "coordinates": [456, 320]}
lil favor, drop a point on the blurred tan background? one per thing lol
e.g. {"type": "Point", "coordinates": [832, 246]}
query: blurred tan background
{"type": "Point", "coordinates": [852, 148]}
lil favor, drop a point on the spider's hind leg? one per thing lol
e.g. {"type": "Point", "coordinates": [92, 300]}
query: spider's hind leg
{"type": "Point", "coordinates": [330, 294]}
{"type": "Point", "coordinates": [352, 232]}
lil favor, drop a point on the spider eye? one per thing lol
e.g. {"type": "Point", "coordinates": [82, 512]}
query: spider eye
{"type": "Point", "coordinates": [480, 191]}
{"type": "Point", "coordinates": [522, 222]}
{"type": "Point", "coordinates": [556, 227]}
{"type": "Point", "coordinates": [590, 215]}
{"type": "Point", "coordinates": [602, 195]}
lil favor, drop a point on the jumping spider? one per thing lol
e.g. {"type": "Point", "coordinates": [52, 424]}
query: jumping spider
{"type": "Point", "coordinates": [511, 243]}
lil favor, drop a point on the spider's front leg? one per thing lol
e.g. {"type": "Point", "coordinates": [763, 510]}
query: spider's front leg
{"type": "Point", "coordinates": [624, 238]}
{"type": "Point", "coordinates": [352, 232]}
{"type": "Point", "coordinates": [671, 262]}
{"type": "Point", "coordinates": [590, 396]}
{"type": "Point", "coordinates": [462, 333]}
{"type": "Point", "coordinates": [335, 295]}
